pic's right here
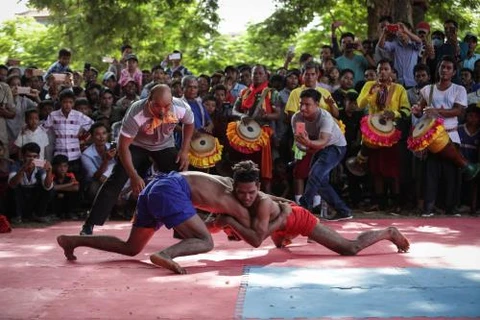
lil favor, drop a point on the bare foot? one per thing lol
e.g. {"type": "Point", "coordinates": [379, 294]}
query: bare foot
{"type": "Point", "coordinates": [162, 260]}
{"type": "Point", "coordinates": [68, 248]}
{"type": "Point", "coordinates": [399, 240]}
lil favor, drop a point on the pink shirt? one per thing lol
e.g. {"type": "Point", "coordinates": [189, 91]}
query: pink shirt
{"type": "Point", "coordinates": [125, 77]}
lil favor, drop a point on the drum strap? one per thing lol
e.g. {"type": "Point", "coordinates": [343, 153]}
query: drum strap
{"type": "Point", "coordinates": [260, 102]}
{"type": "Point", "coordinates": [430, 95]}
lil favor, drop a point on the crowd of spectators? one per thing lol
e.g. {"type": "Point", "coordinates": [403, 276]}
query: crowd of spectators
{"type": "Point", "coordinates": [59, 128]}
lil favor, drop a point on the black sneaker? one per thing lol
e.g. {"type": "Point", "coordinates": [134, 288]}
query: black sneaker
{"type": "Point", "coordinates": [87, 230]}
{"type": "Point", "coordinates": [341, 216]}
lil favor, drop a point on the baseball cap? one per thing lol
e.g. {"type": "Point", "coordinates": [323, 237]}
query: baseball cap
{"type": "Point", "coordinates": [131, 57]}
{"type": "Point", "coordinates": [423, 26]}
{"type": "Point", "coordinates": [108, 75]}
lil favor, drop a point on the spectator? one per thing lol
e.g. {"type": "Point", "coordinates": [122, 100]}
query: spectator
{"type": "Point", "coordinates": [350, 60]}
{"type": "Point", "coordinates": [175, 59]}
{"type": "Point", "coordinates": [203, 85]}
{"type": "Point", "coordinates": [117, 66]}
{"type": "Point", "coordinates": [7, 111]}
{"type": "Point", "coordinates": [237, 87]}
{"type": "Point", "coordinates": [124, 103]}
{"type": "Point", "coordinates": [190, 96]}
{"type": "Point", "coordinates": [66, 189]}
{"type": "Point", "coordinates": [466, 80]}
{"type": "Point", "coordinates": [31, 180]}
{"type": "Point", "coordinates": [63, 63]}
{"type": "Point", "coordinates": [131, 72]}
{"type": "Point", "coordinates": [158, 77]}
{"type": "Point", "coordinates": [346, 83]}
{"type": "Point", "coordinates": [472, 57]}
{"type": "Point", "coordinates": [106, 106]}
{"type": "Point", "coordinates": [33, 133]}
{"type": "Point", "coordinates": [69, 126]}
{"type": "Point", "coordinates": [405, 48]}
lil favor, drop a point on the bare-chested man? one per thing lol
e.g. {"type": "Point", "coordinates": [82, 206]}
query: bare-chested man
{"type": "Point", "coordinates": [169, 200]}
{"type": "Point", "coordinates": [299, 222]}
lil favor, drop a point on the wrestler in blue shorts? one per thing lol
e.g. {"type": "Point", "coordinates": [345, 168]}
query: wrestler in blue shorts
{"type": "Point", "coordinates": [166, 200]}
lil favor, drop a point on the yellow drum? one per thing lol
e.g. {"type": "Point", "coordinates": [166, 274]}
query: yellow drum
{"type": "Point", "coordinates": [378, 132]}
{"type": "Point", "coordinates": [205, 151]}
{"type": "Point", "coordinates": [247, 136]}
{"type": "Point", "coordinates": [428, 133]}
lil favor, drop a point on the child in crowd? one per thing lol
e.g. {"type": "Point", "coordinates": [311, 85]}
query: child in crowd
{"type": "Point", "coordinates": [66, 187]}
{"type": "Point", "coordinates": [82, 105]}
{"type": "Point", "coordinates": [33, 132]}
{"type": "Point", "coordinates": [470, 141]}
{"type": "Point", "coordinates": [132, 71]}
{"type": "Point", "coordinates": [32, 181]}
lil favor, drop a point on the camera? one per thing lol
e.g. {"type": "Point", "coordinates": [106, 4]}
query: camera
{"type": "Point", "coordinates": [351, 46]}
{"type": "Point", "coordinates": [392, 28]}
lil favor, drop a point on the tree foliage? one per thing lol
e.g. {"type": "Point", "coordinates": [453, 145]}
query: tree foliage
{"type": "Point", "coordinates": [93, 29]}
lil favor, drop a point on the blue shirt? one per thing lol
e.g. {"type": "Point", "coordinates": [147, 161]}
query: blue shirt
{"type": "Point", "coordinates": [357, 64]}
{"type": "Point", "coordinates": [405, 57]}
{"type": "Point", "coordinates": [200, 115]}
{"type": "Point", "coordinates": [56, 68]}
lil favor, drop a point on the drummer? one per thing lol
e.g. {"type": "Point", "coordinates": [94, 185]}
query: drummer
{"type": "Point", "coordinates": [390, 100]}
{"type": "Point", "coordinates": [260, 103]}
{"type": "Point", "coordinates": [447, 100]}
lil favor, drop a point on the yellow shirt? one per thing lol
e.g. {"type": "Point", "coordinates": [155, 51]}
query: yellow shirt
{"type": "Point", "coordinates": [397, 100]}
{"type": "Point", "coordinates": [293, 103]}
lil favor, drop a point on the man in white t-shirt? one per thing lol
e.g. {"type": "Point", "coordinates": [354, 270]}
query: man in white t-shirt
{"type": "Point", "coordinates": [445, 100]}
{"type": "Point", "coordinates": [316, 132]}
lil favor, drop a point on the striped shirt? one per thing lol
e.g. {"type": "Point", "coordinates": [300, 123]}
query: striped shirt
{"type": "Point", "coordinates": [66, 131]}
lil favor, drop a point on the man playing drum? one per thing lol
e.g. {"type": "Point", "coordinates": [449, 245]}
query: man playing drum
{"type": "Point", "coordinates": [257, 103]}
{"type": "Point", "coordinates": [444, 100]}
{"type": "Point", "coordinates": [386, 101]}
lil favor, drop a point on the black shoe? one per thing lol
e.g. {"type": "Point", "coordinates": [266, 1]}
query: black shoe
{"type": "Point", "coordinates": [87, 230]}
{"type": "Point", "coordinates": [341, 216]}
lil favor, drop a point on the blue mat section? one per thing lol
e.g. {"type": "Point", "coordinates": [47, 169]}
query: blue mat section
{"type": "Point", "coordinates": [277, 292]}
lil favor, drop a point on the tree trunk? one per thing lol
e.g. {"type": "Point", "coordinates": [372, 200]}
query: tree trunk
{"type": "Point", "coordinates": [399, 10]}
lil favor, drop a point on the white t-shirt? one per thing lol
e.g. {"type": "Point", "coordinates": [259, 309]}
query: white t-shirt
{"type": "Point", "coordinates": [446, 99]}
{"type": "Point", "coordinates": [323, 123]}
{"type": "Point", "coordinates": [39, 136]}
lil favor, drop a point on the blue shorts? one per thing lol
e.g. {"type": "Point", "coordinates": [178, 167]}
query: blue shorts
{"type": "Point", "coordinates": [166, 200]}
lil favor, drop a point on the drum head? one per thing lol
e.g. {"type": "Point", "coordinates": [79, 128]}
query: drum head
{"type": "Point", "coordinates": [203, 144]}
{"type": "Point", "coordinates": [380, 124]}
{"type": "Point", "coordinates": [422, 127]}
{"type": "Point", "coordinates": [249, 131]}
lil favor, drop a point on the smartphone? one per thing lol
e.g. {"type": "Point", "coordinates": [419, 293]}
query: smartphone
{"type": "Point", "coordinates": [23, 90]}
{"type": "Point", "coordinates": [299, 127]}
{"type": "Point", "coordinates": [107, 59]}
{"type": "Point", "coordinates": [59, 77]}
{"type": "Point", "coordinates": [392, 28]}
{"type": "Point", "coordinates": [113, 145]}
{"type": "Point", "coordinates": [175, 56]}
{"type": "Point", "coordinates": [291, 49]}
{"type": "Point", "coordinates": [39, 163]}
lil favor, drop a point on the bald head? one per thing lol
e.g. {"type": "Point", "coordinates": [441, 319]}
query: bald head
{"type": "Point", "coordinates": [161, 99]}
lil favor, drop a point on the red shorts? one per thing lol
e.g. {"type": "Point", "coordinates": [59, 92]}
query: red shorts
{"type": "Point", "coordinates": [302, 167]}
{"type": "Point", "coordinates": [299, 222]}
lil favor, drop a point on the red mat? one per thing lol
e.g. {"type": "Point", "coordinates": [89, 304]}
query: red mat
{"type": "Point", "coordinates": [38, 283]}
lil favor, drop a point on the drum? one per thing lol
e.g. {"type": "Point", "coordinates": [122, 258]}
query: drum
{"type": "Point", "coordinates": [247, 136]}
{"type": "Point", "coordinates": [428, 133]}
{"type": "Point", "coordinates": [378, 132]}
{"type": "Point", "coordinates": [205, 151]}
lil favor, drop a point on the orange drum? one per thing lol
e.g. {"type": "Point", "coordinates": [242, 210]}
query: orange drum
{"type": "Point", "coordinates": [205, 151]}
{"type": "Point", "coordinates": [378, 132]}
{"type": "Point", "coordinates": [247, 136]}
{"type": "Point", "coordinates": [428, 133]}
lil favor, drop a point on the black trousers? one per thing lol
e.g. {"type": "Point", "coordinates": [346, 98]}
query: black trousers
{"type": "Point", "coordinates": [441, 173]}
{"type": "Point", "coordinates": [108, 193]}
{"type": "Point", "coordinates": [31, 200]}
